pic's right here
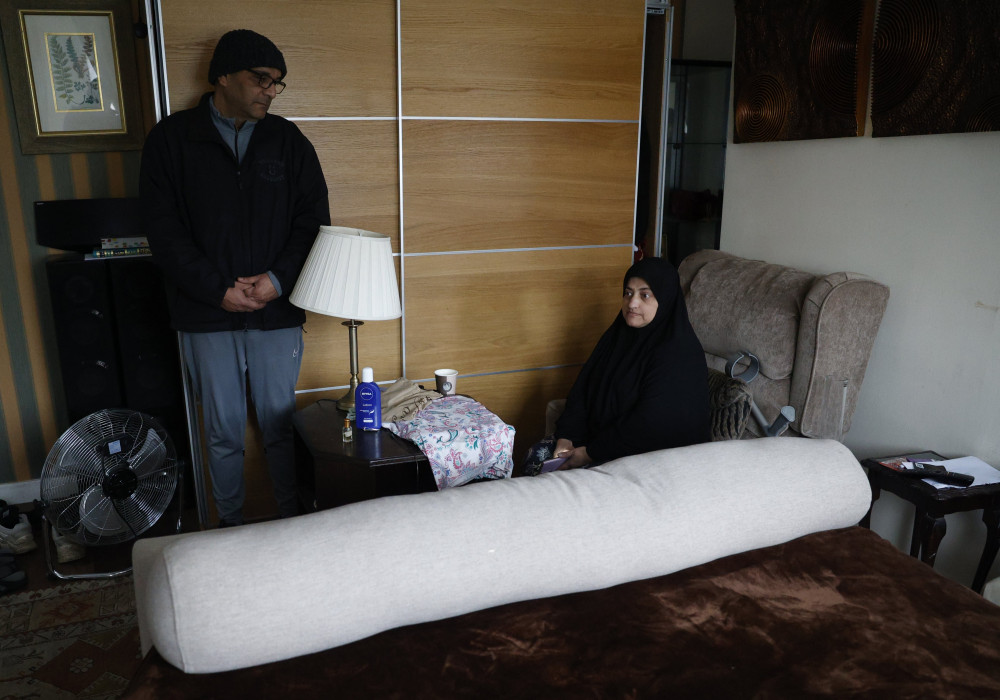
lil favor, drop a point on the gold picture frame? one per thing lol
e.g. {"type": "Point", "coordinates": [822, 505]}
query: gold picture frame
{"type": "Point", "coordinates": [73, 75]}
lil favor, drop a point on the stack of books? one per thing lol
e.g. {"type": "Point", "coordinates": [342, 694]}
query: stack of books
{"type": "Point", "coordinates": [114, 247]}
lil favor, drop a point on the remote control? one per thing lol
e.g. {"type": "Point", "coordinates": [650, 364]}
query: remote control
{"type": "Point", "coordinates": [939, 473]}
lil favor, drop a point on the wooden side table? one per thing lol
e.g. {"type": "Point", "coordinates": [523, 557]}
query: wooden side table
{"type": "Point", "coordinates": [333, 473]}
{"type": "Point", "coordinates": [932, 504]}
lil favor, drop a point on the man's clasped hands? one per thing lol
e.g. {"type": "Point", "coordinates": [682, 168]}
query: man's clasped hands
{"type": "Point", "coordinates": [250, 293]}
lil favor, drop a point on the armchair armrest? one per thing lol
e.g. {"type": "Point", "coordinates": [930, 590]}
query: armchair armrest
{"type": "Point", "coordinates": [841, 315]}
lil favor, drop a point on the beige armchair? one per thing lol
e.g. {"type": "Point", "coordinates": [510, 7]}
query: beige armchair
{"type": "Point", "coordinates": [812, 334]}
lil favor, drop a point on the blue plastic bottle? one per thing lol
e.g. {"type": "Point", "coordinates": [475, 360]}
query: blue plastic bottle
{"type": "Point", "coordinates": [368, 402]}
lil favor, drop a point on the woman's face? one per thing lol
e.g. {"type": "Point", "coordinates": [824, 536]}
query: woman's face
{"type": "Point", "coordinates": [638, 303]}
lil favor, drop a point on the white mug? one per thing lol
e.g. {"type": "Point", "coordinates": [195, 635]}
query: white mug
{"type": "Point", "coordinates": [446, 380]}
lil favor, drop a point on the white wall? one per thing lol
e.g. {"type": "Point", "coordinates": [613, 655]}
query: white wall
{"type": "Point", "coordinates": [921, 214]}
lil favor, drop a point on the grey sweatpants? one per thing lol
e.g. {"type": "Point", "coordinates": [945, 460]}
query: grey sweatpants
{"type": "Point", "coordinates": [220, 364]}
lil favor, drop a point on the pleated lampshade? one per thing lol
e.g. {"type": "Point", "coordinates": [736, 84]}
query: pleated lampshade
{"type": "Point", "coordinates": [349, 274]}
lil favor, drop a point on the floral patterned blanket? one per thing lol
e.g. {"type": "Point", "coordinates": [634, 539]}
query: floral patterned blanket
{"type": "Point", "coordinates": [462, 439]}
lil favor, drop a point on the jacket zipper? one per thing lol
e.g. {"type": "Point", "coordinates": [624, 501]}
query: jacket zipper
{"type": "Point", "coordinates": [239, 187]}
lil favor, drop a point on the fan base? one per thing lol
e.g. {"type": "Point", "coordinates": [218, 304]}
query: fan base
{"type": "Point", "coordinates": [54, 573]}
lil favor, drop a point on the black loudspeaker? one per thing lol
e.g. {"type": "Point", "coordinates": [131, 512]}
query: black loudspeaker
{"type": "Point", "coordinates": [86, 336]}
{"type": "Point", "coordinates": [116, 347]}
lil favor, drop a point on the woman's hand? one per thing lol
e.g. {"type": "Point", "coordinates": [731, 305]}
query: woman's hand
{"type": "Point", "coordinates": [563, 448]}
{"type": "Point", "coordinates": [575, 456]}
{"type": "Point", "coordinates": [579, 458]}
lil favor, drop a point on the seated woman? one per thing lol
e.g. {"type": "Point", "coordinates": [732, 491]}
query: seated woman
{"type": "Point", "coordinates": [645, 385]}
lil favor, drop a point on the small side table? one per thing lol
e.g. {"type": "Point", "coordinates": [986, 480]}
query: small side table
{"type": "Point", "coordinates": [333, 473]}
{"type": "Point", "coordinates": [932, 504]}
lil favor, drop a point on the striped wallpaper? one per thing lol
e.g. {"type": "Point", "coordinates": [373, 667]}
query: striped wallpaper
{"type": "Point", "coordinates": [30, 403]}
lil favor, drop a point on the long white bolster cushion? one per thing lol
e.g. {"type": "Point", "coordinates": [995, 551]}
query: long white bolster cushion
{"type": "Point", "coordinates": [232, 598]}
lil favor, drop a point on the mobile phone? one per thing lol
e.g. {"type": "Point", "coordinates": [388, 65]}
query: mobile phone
{"type": "Point", "coordinates": [550, 465]}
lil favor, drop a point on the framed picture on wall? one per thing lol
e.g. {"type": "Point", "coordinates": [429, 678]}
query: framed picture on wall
{"type": "Point", "coordinates": [73, 74]}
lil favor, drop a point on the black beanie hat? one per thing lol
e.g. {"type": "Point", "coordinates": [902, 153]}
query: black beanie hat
{"type": "Point", "coordinates": [242, 49]}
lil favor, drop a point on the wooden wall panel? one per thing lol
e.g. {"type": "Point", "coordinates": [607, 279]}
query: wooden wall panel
{"type": "Point", "coordinates": [502, 311]}
{"type": "Point", "coordinates": [480, 185]}
{"type": "Point", "coordinates": [326, 358]}
{"type": "Point", "coordinates": [560, 59]}
{"type": "Point", "coordinates": [361, 166]}
{"type": "Point", "coordinates": [520, 178]}
{"type": "Point", "coordinates": [341, 56]}
{"type": "Point", "coordinates": [304, 399]}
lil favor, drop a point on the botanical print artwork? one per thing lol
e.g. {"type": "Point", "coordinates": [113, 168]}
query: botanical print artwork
{"type": "Point", "coordinates": [73, 75]}
{"type": "Point", "coordinates": [76, 85]}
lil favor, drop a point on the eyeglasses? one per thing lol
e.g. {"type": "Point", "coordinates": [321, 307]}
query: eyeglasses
{"type": "Point", "coordinates": [266, 81]}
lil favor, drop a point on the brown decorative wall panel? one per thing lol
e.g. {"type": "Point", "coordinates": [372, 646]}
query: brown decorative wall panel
{"type": "Point", "coordinates": [341, 56]}
{"type": "Point", "coordinates": [936, 67]}
{"type": "Point", "coordinates": [801, 68]}
{"type": "Point", "coordinates": [480, 185]}
{"type": "Point", "coordinates": [361, 166]}
{"type": "Point", "coordinates": [492, 312]}
{"type": "Point", "coordinates": [560, 59]}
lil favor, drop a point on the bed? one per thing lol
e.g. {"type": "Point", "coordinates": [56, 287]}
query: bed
{"type": "Point", "coordinates": [832, 613]}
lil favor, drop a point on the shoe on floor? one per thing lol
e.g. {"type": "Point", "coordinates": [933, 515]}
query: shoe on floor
{"type": "Point", "coordinates": [66, 549]}
{"type": "Point", "coordinates": [18, 539]}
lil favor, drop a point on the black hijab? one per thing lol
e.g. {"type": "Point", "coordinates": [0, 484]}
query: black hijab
{"type": "Point", "coordinates": [618, 369]}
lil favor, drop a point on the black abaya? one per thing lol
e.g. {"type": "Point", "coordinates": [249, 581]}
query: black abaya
{"type": "Point", "coordinates": [642, 389]}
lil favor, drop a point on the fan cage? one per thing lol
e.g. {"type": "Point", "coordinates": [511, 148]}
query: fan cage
{"type": "Point", "coordinates": [109, 477]}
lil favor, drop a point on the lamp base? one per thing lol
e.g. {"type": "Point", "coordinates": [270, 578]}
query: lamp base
{"type": "Point", "coordinates": [346, 402]}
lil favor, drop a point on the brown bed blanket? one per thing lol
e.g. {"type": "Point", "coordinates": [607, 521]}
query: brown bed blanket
{"type": "Point", "coordinates": [838, 614]}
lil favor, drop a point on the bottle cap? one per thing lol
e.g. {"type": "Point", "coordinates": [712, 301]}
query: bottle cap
{"type": "Point", "coordinates": [367, 375]}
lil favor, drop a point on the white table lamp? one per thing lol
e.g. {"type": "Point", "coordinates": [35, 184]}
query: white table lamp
{"type": "Point", "coordinates": [349, 274]}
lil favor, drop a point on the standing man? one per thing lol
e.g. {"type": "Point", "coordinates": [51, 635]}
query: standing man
{"type": "Point", "coordinates": [232, 199]}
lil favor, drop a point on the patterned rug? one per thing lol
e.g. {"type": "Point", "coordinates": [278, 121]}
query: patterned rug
{"type": "Point", "coordinates": [75, 640]}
